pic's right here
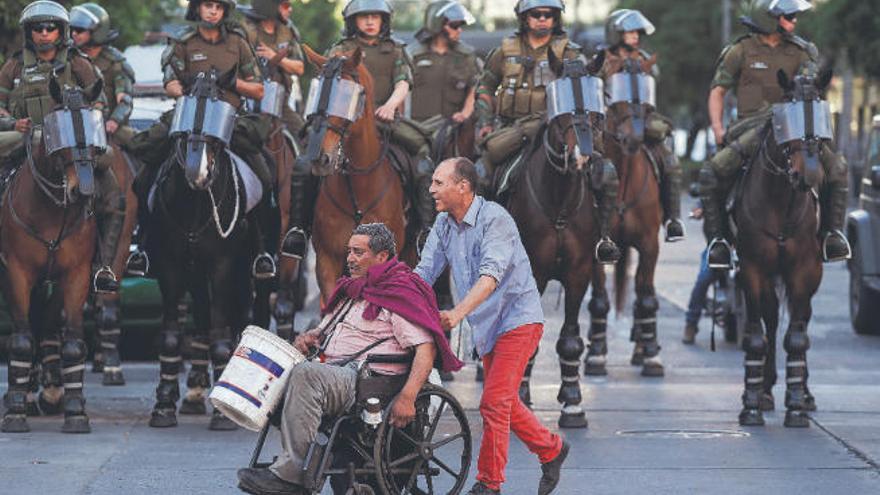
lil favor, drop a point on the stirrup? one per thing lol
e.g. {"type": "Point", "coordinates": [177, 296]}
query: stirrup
{"type": "Point", "coordinates": [675, 238]}
{"type": "Point", "coordinates": [130, 263]}
{"type": "Point", "coordinates": [843, 257]}
{"type": "Point", "coordinates": [104, 271]}
{"type": "Point", "coordinates": [293, 247]}
{"type": "Point", "coordinates": [613, 257]}
{"type": "Point", "coordinates": [720, 266]}
{"type": "Point", "coordinates": [263, 276]}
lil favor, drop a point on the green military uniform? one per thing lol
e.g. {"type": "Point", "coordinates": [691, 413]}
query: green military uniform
{"type": "Point", "coordinates": [285, 41]}
{"type": "Point", "coordinates": [118, 80]}
{"type": "Point", "coordinates": [749, 67]}
{"type": "Point", "coordinates": [658, 129]}
{"type": "Point", "coordinates": [442, 82]}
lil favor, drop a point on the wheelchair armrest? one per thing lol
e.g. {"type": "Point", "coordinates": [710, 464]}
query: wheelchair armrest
{"type": "Point", "coordinates": [391, 358]}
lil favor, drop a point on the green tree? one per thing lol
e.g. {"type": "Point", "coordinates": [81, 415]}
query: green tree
{"type": "Point", "coordinates": [850, 28]}
{"type": "Point", "coordinates": [319, 22]}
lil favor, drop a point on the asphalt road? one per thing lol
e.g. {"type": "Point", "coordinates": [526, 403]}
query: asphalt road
{"type": "Point", "coordinates": [677, 434]}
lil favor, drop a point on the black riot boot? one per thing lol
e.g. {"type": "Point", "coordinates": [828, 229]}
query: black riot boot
{"type": "Point", "coordinates": [603, 178]}
{"type": "Point", "coordinates": [670, 194]}
{"type": "Point", "coordinates": [263, 266]}
{"type": "Point", "coordinates": [105, 281]}
{"type": "Point", "coordinates": [720, 256]}
{"type": "Point", "coordinates": [835, 246]}
{"type": "Point", "coordinates": [302, 210]}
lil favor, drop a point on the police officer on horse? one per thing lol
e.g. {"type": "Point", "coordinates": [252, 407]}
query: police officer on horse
{"type": "Point", "coordinates": [749, 67]}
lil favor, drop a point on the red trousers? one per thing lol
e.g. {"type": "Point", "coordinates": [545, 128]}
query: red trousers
{"type": "Point", "coordinates": [503, 411]}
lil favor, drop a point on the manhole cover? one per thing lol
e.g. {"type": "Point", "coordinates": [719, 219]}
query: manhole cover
{"type": "Point", "coordinates": [688, 434]}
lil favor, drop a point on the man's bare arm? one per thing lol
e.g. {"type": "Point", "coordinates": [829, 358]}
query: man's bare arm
{"type": "Point", "coordinates": [716, 112]}
{"type": "Point", "coordinates": [404, 410]}
{"type": "Point", "coordinates": [481, 291]}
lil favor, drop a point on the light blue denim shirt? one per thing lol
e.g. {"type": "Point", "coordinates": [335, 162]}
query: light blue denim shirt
{"type": "Point", "coordinates": [486, 242]}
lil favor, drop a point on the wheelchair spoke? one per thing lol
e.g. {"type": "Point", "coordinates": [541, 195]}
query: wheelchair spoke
{"type": "Point", "coordinates": [444, 466]}
{"type": "Point", "coordinates": [407, 438]}
{"type": "Point", "coordinates": [435, 422]}
{"type": "Point", "coordinates": [413, 477]}
{"type": "Point", "coordinates": [448, 440]}
{"type": "Point", "coordinates": [403, 459]}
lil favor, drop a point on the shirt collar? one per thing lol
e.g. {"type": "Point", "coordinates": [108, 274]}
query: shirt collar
{"type": "Point", "coordinates": [470, 217]}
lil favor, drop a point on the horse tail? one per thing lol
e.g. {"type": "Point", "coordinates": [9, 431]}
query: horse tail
{"type": "Point", "coordinates": [620, 280]}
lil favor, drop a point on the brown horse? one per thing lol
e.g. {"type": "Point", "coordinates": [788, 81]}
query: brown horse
{"type": "Point", "coordinates": [49, 235]}
{"type": "Point", "coordinates": [636, 225]}
{"type": "Point", "coordinates": [454, 139]}
{"type": "Point", "coordinates": [552, 203]}
{"type": "Point", "coordinates": [107, 306]}
{"type": "Point", "coordinates": [777, 240]}
{"type": "Point", "coordinates": [358, 182]}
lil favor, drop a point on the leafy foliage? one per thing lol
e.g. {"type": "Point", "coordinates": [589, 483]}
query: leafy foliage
{"type": "Point", "coordinates": [850, 27]}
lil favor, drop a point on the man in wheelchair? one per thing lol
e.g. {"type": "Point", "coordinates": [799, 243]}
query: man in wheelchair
{"type": "Point", "coordinates": [382, 309]}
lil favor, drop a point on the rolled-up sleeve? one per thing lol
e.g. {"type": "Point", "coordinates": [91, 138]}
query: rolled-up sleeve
{"type": "Point", "coordinates": [496, 247]}
{"type": "Point", "coordinates": [433, 260]}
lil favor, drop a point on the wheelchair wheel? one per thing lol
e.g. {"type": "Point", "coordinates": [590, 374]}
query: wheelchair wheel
{"type": "Point", "coordinates": [432, 455]}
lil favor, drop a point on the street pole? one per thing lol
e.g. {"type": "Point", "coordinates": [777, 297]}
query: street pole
{"type": "Point", "coordinates": [725, 21]}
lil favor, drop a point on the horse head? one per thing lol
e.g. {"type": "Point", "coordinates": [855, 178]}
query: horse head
{"type": "Point", "coordinates": [575, 110]}
{"type": "Point", "coordinates": [802, 122]}
{"type": "Point", "coordinates": [630, 96]}
{"type": "Point", "coordinates": [204, 122]}
{"type": "Point", "coordinates": [340, 100]}
{"type": "Point", "coordinates": [73, 136]}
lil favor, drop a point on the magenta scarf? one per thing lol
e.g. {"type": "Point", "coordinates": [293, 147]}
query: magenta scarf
{"type": "Point", "coordinates": [394, 286]}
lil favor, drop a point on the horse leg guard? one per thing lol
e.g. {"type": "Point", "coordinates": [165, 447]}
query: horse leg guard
{"type": "Point", "coordinates": [73, 363]}
{"type": "Point", "coordinates": [21, 355]}
{"type": "Point", "coordinates": [168, 392]}
{"type": "Point", "coordinates": [755, 347]}
{"type": "Point", "coordinates": [49, 399]}
{"type": "Point", "coordinates": [796, 344]}
{"type": "Point", "coordinates": [645, 320]}
{"type": "Point", "coordinates": [569, 348]}
{"type": "Point", "coordinates": [597, 351]}
{"type": "Point", "coordinates": [198, 381]}
{"type": "Point", "coordinates": [221, 352]}
{"type": "Point", "coordinates": [109, 332]}
{"type": "Point", "coordinates": [525, 389]}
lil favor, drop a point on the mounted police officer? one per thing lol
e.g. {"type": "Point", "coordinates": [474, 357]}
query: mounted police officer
{"type": "Point", "coordinates": [510, 102]}
{"type": "Point", "coordinates": [25, 101]}
{"type": "Point", "coordinates": [624, 29]}
{"type": "Point", "coordinates": [749, 66]}
{"type": "Point", "coordinates": [92, 34]}
{"type": "Point", "coordinates": [211, 43]}
{"type": "Point", "coordinates": [445, 70]}
{"type": "Point", "coordinates": [368, 27]}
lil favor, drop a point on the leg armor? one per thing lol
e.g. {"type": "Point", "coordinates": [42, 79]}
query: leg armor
{"type": "Point", "coordinates": [755, 347]}
{"type": "Point", "coordinates": [599, 306]}
{"type": "Point", "coordinates": [796, 344]}
{"type": "Point", "coordinates": [198, 381]}
{"type": "Point", "coordinates": [109, 332]}
{"type": "Point", "coordinates": [645, 325]}
{"type": "Point", "coordinates": [670, 191]}
{"type": "Point", "coordinates": [569, 348]}
{"type": "Point", "coordinates": [111, 221]}
{"type": "Point", "coordinates": [264, 264]}
{"type": "Point", "coordinates": [73, 359]}
{"type": "Point", "coordinates": [719, 256]}
{"type": "Point", "coordinates": [303, 189]}
{"type": "Point", "coordinates": [604, 182]}
{"type": "Point", "coordinates": [221, 352]}
{"type": "Point", "coordinates": [422, 200]}
{"type": "Point", "coordinates": [168, 391]}
{"type": "Point", "coordinates": [835, 246]}
{"type": "Point", "coordinates": [21, 354]}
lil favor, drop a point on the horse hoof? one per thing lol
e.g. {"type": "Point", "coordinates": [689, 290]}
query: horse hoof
{"type": "Point", "coordinates": [573, 420]}
{"type": "Point", "coordinates": [219, 422]}
{"type": "Point", "coordinates": [796, 419]}
{"type": "Point", "coordinates": [49, 408]}
{"type": "Point", "coordinates": [652, 367]}
{"type": "Point", "coordinates": [767, 403]}
{"type": "Point", "coordinates": [98, 365]}
{"type": "Point", "coordinates": [809, 403]}
{"type": "Point", "coordinates": [113, 377]}
{"type": "Point", "coordinates": [15, 423]}
{"type": "Point", "coordinates": [595, 365]}
{"type": "Point", "coordinates": [193, 407]}
{"type": "Point", "coordinates": [163, 418]}
{"type": "Point", "coordinates": [76, 424]}
{"type": "Point", "coordinates": [751, 417]}
{"type": "Point", "coordinates": [638, 356]}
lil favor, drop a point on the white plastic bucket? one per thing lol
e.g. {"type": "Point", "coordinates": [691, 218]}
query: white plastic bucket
{"type": "Point", "coordinates": [255, 379]}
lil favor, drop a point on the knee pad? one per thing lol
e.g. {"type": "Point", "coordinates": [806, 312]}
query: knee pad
{"type": "Point", "coordinates": [796, 338]}
{"type": "Point", "coordinates": [599, 306]}
{"type": "Point", "coordinates": [170, 343]}
{"type": "Point", "coordinates": [221, 351]}
{"type": "Point", "coordinates": [647, 305]}
{"type": "Point", "coordinates": [73, 351]}
{"type": "Point", "coordinates": [20, 347]}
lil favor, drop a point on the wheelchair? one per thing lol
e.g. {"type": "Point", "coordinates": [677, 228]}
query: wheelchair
{"type": "Point", "coordinates": [360, 453]}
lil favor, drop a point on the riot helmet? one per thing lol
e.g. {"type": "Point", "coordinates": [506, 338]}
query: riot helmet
{"type": "Point", "coordinates": [762, 16]}
{"type": "Point", "coordinates": [524, 6]}
{"type": "Point", "coordinates": [40, 12]}
{"type": "Point", "coordinates": [265, 9]}
{"type": "Point", "coordinates": [192, 12]}
{"type": "Point", "coordinates": [355, 7]}
{"type": "Point", "coordinates": [438, 14]}
{"type": "Point", "coordinates": [94, 18]}
{"type": "Point", "coordinates": [625, 20]}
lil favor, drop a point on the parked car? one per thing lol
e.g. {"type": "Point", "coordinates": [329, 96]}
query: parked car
{"type": "Point", "coordinates": [863, 230]}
